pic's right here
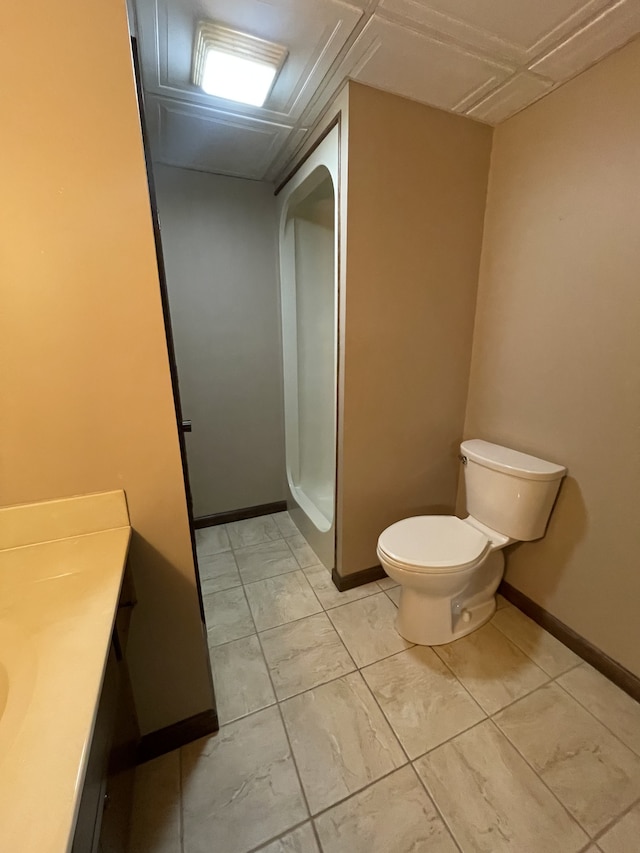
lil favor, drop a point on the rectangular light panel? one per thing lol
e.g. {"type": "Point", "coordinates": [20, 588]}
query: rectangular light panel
{"type": "Point", "coordinates": [233, 65]}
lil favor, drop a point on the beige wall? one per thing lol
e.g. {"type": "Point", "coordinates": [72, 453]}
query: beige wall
{"type": "Point", "coordinates": [416, 198]}
{"type": "Point", "coordinates": [556, 357]}
{"type": "Point", "coordinates": [219, 237]}
{"type": "Point", "coordinates": [86, 395]}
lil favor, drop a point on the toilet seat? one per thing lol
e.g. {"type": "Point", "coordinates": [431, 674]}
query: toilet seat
{"type": "Point", "coordinates": [433, 544]}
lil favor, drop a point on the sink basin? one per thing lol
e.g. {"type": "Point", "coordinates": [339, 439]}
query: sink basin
{"type": "Point", "coordinates": [17, 681]}
{"type": "Point", "coordinates": [34, 607]}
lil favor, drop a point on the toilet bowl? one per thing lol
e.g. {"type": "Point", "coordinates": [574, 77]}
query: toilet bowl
{"type": "Point", "coordinates": [448, 571]}
{"type": "Point", "coordinates": [449, 568]}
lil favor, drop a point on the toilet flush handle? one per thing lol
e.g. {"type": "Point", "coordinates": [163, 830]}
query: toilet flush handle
{"type": "Point", "coordinates": [463, 459]}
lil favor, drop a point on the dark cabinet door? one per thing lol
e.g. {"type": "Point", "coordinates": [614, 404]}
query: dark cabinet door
{"type": "Point", "coordinates": [89, 820]}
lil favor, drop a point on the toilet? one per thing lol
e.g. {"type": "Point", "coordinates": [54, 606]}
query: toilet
{"type": "Point", "coordinates": [449, 568]}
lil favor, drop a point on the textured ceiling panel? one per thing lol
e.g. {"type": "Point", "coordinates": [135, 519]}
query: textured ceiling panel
{"type": "Point", "coordinates": [611, 29]}
{"type": "Point", "coordinates": [214, 142]}
{"type": "Point", "coordinates": [487, 59]}
{"type": "Point", "coordinates": [516, 31]}
{"type": "Point", "coordinates": [511, 97]}
{"type": "Point", "coordinates": [423, 68]}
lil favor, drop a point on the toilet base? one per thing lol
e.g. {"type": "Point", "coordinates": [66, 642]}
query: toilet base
{"type": "Point", "coordinates": [442, 627]}
{"type": "Point", "coordinates": [428, 617]}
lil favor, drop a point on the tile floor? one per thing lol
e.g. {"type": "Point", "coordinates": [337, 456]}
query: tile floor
{"type": "Point", "coordinates": [339, 736]}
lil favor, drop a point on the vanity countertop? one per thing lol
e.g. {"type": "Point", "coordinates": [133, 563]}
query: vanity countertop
{"type": "Point", "coordinates": [58, 600]}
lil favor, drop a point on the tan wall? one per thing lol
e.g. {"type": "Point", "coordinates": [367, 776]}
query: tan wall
{"type": "Point", "coordinates": [416, 198]}
{"type": "Point", "coordinates": [556, 358]}
{"type": "Point", "coordinates": [86, 395]}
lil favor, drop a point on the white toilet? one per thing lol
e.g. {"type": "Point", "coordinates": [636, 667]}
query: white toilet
{"type": "Point", "coordinates": [449, 569]}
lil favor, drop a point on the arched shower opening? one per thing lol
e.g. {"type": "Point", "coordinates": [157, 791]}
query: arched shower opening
{"type": "Point", "coordinates": [309, 303]}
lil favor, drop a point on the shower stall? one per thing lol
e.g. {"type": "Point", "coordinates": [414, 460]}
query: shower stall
{"type": "Point", "coordinates": [308, 216]}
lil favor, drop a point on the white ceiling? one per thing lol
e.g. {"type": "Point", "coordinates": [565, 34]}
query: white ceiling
{"type": "Point", "coordinates": [483, 58]}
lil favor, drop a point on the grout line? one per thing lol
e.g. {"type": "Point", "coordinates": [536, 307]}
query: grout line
{"type": "Point", "coordinates": [288, 538]}
{"type": "Point", "coordinates": [391, 724]}
{"type": "Point", "coordinates": [269, 577]}
{"type": "Point", "coordinates": [340, 640]}
{"type": "Point", "coordinates": [384, 657]}
{"type": "Point", "coordinates": [356, 668]}
{"type": "Point", "coordinates": [246, 716]}
{"type": "Point", "coordinates": [342, 603]}
{"type": "Point", "coordinates": [460, 682]}
{"type": "Point", "coordinates": [271, 704]}
{"type": "Point", "coordinates": [202, 556]}
{"type": "Point", "coordinates": [353, 601]}
{"type": "Point", "coordinates": [264, 542]}
{"type": "Point", "coordinates": [591, 714]}
{"type": "Point", "coordinates": [615, 821]}
{"type": "Point", "coordinates": [235, 640]}
{"type": "Point", "coordinates": [320, 684]}
{"type": "Point", "coordinates": [385, 718]}
{"type": "Point", "coordinates": [279, 837]}
{"type": "Point", "coordinates": [316, 834]}
{"type": "Point", "coordinates": [294, 622]}
{"type": "Point", "coordinates": [293, 571]}
{"type": "Point", "coordinates": [254, 634]}
{"type": "Point", "coordinates": [292, 753]}
{"type": "Point", "coordinates": [537, 774]}
{"type": "Point", "coordinates": [282, 722]}
{"type": "Point", "coordinates": [581, 661]}
{"type": "Point", "coordinates": [293, 695]}
{"type": "Point", "coordinates": [529, 692]}
{"type": "Point", "coordinates": [304, 569]}
{"type": "Point", "coordinates": [449, 739]}
{"type": "Point", "coordinates": [437, 807]}
{"type": "Point", "coordinates": [366, 787]}
{"type": "Point", "coordinates": [273, 700]}
{"type": "Point", "coordinates": [386, 592]}
{"type": "Point", "coordinates": [253, 621]}
{"type": "Point", "coordinates": [526, 654]}
{"type": "Point", "coordinates": [508, 640]}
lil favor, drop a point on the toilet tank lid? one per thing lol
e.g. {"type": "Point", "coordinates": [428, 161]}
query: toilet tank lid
{"type": "Point", "coordinates": [511, 461]}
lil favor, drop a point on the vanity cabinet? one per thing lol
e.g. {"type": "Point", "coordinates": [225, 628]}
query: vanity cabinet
{"type": "Point", "coordinates": [87, 834]}
{"type": "Point", "coordinates": [114, 835]}
{"type": "Point", "coordinates": [102, 825]}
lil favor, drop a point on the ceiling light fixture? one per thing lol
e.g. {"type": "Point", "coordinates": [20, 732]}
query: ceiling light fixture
{"type": "Point", "coordinates": [233, 65]}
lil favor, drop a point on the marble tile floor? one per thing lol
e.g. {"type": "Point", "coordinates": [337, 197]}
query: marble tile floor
{"type": "Point", "coordinates": [339, 736]}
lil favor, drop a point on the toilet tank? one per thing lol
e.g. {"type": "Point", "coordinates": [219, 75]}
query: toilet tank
{"type": "Point", "coordinates": [510, 492]}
